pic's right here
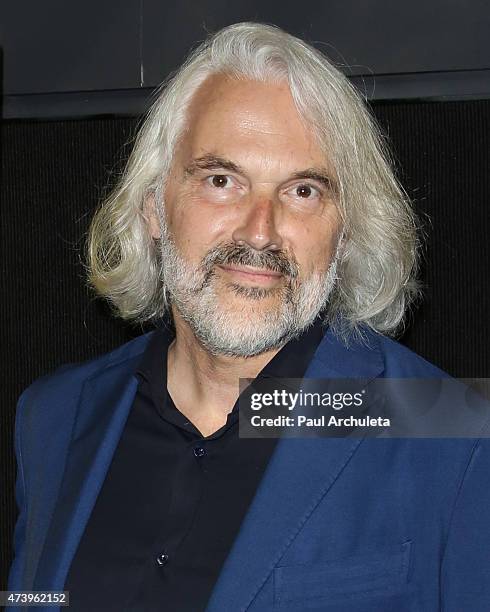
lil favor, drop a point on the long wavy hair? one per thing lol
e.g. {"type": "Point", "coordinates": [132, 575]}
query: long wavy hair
{"type": "Point", "coordinates": [377, 271]}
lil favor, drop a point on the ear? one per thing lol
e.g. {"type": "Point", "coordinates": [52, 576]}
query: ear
{"type": "Point", "coordinates": [151, 216]}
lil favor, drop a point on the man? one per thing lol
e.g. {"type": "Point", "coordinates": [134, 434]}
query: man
{"type": "Point", "coordinates": [258, 210]}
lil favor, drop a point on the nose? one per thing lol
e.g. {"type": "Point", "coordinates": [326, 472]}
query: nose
{"type": "Point", "coordinates": [259, 226]}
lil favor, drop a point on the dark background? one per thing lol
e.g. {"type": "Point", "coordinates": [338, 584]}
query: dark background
{"type": "Point", "coordinates": [76, 76]}
{"type": "Point", "coordinates": [77, 58]}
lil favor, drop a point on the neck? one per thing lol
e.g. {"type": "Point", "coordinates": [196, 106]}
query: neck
{"type": "Point", "coordinates": [204, 386]}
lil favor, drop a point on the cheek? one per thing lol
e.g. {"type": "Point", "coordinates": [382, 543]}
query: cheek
{"type": "Point", "coordinates": [316, 244]}
{"type": "Point", "coordinates": [195, 228]}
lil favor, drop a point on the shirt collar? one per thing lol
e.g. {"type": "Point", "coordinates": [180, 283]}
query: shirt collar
{"type": "Point", "coordinates": [289, 362]}
{"type": "Point", "coordinates": [153, 364]}
{"type": "Point", "coordinates": [294, 357]}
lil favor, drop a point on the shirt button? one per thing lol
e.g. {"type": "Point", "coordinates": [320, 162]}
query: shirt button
{"type": "Point", "coordinates": [199, 451]}
{"type": "Point", "coordinates": [162, 559]}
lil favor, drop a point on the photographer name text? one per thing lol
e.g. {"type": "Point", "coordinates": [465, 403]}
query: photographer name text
{"type": "Point", "coordinates": [321, 421]}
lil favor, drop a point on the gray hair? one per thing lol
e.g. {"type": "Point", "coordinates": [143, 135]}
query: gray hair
{"type": "Point", "coordinates": [377, 269]}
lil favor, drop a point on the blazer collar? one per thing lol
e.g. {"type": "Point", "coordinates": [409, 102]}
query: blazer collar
{"type": "Point", "coordinates": [102, 413]}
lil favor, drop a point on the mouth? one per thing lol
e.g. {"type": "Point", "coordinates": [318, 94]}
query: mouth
{"type": "Point", "coordinates": [257, 275]}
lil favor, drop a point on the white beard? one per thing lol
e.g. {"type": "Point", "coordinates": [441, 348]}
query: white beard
{"type": "Point", "coordinates": [240, 331]}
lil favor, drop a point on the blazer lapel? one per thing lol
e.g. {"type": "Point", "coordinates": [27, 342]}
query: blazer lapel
{"type": "Point", "coordinates": [104, 407]}
{"type": "Point", "coordinates": [299, 474]}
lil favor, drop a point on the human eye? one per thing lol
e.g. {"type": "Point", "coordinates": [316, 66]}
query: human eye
{"type": "Point", "coordinates": [219, 181]}
{"type": "Point", "coordinates": [306, 191]}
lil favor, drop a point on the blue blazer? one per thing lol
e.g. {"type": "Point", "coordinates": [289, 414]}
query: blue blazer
{"type": "Point", "coordinates": [357, 525]}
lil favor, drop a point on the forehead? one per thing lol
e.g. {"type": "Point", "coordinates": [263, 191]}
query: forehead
{"type": "Point", "coordinates": [245, 117]}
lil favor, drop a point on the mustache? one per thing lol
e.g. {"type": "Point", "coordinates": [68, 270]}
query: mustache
{"type": "Point", "coordinates": [243, 255]}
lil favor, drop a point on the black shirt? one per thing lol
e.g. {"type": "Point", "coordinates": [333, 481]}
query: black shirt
{"type": "Point", "coordinates": [173, 501]}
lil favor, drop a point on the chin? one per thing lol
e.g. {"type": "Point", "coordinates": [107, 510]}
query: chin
{"type": "Point", "coordinates": [250, 309]}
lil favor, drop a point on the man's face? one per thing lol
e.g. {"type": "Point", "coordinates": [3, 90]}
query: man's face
{"type": "Point", "coordinates": [249, 191]}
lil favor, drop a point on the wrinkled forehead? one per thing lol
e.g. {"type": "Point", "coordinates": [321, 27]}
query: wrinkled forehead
{"type": "Point", "coordinates": [244, 119]}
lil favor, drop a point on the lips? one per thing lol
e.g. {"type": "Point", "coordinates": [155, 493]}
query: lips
{"type": "Point", "coordinates": [252, 272]}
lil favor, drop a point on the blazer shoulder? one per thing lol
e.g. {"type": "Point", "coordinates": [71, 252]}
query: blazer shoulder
{"type": "Point", "coordinates": [64, 385]}
{"type": "Point", "coordinates": [400, 361]}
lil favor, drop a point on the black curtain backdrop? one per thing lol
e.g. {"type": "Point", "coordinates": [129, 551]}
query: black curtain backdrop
{"type": "Point", "coordinates": [54, 173]}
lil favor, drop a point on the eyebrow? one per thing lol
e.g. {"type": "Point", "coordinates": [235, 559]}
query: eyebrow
{"type": "Point", "coordinates": [216, 162]}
